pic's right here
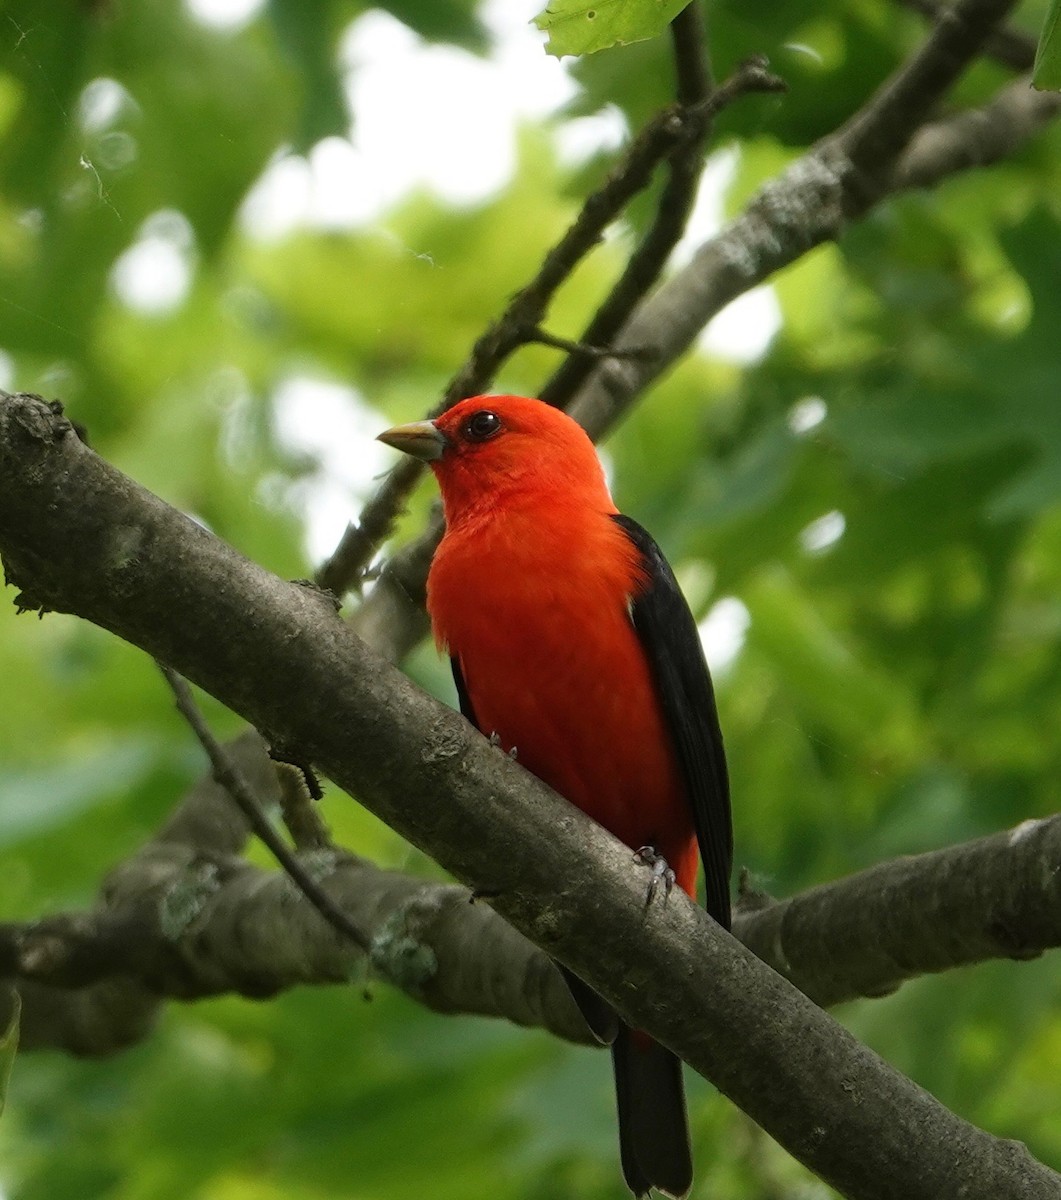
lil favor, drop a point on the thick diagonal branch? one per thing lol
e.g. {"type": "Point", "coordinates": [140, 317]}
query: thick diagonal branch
{"type": "Point", "coordinates": [77, 536]}
{"type": "Point", "coordinates": [183, 922]}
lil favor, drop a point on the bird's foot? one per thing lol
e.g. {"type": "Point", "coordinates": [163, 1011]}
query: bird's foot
{"type": "Point", "coordinates": [661, 873]}
{"type": "Point", "coordinates": [495, 740]}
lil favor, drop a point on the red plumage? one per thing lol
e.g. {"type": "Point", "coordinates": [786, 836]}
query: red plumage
{"type": "Point", "coordinates": [532, 599]}
{"type": "Point", "coordinates": [538, 592]}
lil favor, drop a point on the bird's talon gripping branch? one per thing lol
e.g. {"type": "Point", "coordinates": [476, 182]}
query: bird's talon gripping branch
{"type": "Point", "coordinates": [661, 873]}
{"type": "Point", "coordinates": [495, 741]}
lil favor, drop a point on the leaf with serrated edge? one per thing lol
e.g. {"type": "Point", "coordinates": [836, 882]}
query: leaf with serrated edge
{"type": "Point", "coordinates": [577, 27]}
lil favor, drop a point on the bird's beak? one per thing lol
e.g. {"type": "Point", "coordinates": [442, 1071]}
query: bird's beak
{"type": "Point", "coordinates": [421, 439]}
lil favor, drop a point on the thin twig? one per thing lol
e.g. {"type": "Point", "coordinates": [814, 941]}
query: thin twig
{"type": "Point", "coordinates": [675, 203]}
{"type": "Point", "coordinates": [226, 774]}
{"type": "Point", "coordinates": [675, 128]}
{"type": "Point", "coordinates": [543, 337]}
{"type": "Point", "coordinates": [345, 568]}
{"type": "Point", "coordinates": [684, 167]}
{"type": "Point", "coordinates": [692, 66]}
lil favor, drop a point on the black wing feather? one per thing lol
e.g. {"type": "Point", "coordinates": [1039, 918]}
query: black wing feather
{"type": "Point", "coordinates": [465, 701]}
{"type": "Point", "coordinates": [668, 633]}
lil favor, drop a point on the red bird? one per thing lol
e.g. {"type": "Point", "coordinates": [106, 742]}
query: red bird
{"type": "Point", "coordinates": [571, 642]}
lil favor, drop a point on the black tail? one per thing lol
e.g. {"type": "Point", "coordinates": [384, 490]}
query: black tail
{"type": "Point", "coordinates": [653, 1127]}
{"type": "Point", "coordinates": [602, 1019]}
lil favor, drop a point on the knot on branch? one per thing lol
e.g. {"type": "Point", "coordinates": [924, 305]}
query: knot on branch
{"type": "Point", "coordinates": [804, 206]}
{"type": "Point", "coordinates": [750, 897]}
{"type": "Point", "coordinates": [38, 420]}
{"type": "Point", "coordinates": [442, 743]}
{"type": "Point", "coordinates": [401, 950]}
{"type": "Point", "coordinates": [181, 905]}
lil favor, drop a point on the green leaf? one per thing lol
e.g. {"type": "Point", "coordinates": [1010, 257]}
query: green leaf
{"type": "Point", "coordinates": [1047, 72]}
{"type": "Point", "coordinates": [10, 1001]}
{"type": "Point", "coordinates": [575, 27]}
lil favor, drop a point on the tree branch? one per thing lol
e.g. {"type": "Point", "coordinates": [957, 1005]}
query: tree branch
{"type": "Point", "coordinates": [228, 775]}
{"type": "Point", "coordinates": [103, 1018]}
{"type": "Point", "coordinates": [839, 179]}
{"type": "Point", "coordinates": [977, 137]}
{"type": "Point", "coordinates": [1009, 47]}
{"type": "Point", "coordinates": [77, 536]}
{"type": "Point", "coordinates": [673, 135]}
{"type": "Point", "coordinates": [186, 925]}
{"type": "Point", "coordinates": [873, 139]}
{"type": "Point", "coordinates": [804, 207]}
{"type": "Point", "coordinates": [864, 935]}
{"type": "Point", "coordinates": [861, 936]}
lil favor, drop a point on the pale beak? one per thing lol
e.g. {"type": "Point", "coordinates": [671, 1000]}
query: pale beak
{"type": "Point", "coordinates": [421, 439]}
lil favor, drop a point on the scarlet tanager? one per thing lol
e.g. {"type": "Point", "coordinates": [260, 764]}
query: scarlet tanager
{"type": "Point", "coordinates": [571, 642]}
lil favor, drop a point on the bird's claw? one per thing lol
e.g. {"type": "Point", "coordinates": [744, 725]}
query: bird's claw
{"type": "Point", "coordinates": [661, 873]}
{"type": "Point", "coordinates": [495, 740]}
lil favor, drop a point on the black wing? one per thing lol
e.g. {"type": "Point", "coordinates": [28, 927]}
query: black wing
{"type": "Point", "coordinates": [670, 638]}
{"type": "Point", "coordinates": [467, 712]}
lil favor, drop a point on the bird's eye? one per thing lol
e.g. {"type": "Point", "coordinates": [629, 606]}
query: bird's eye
{"type": "Point", "coordinates": [481, 425]}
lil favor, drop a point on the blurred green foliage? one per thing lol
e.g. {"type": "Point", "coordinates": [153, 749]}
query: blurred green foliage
{"type": "Point", "coordinates": [879, 491]}
{"type": "Point", "coordinates": [1048, 58]}
{"type": "Point", "coordinates": [11, 1008]}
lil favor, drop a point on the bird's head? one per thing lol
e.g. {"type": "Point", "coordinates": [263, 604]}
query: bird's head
{"type": "Point", "coordinates": [490, 451]}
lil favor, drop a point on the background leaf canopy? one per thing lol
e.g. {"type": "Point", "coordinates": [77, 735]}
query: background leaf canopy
{"type": "Point", "coordinates": [875, 496]}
